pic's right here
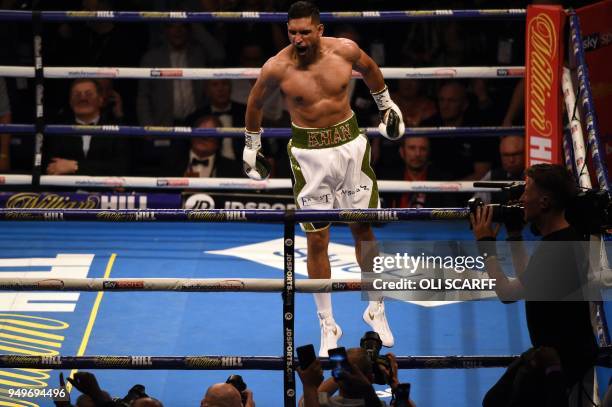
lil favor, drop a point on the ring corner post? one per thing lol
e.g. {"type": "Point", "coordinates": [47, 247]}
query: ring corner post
{"type": "Point", "coordinates": [289, 308]}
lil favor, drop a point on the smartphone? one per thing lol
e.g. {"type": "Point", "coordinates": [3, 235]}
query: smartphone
{"type": "Point", "coordinates": [339, 362]}
{"type": "Point", "coordinates": [306, 355]}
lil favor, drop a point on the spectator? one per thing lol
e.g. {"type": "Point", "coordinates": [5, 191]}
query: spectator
{"type": "Point", "coordinates": [203, 159]}
{"type": "Point", "coordinates": [230, 114]}
{"type": "Point", "coordinates": [413, 103]}
{"type": "Point", "coordinates": [552, 273]}
{"type": "Point", "coordinates": [167, 102]}
{"type": "Point", "coordinates": [86, 155]}
{"type": "Point", "coordinates": [146, 402]}
{"type": "Point", "coordinates": [5, 139]}
{"type": "Point", "coordinates": [226, 395]}
{"type": "Point", "coordinates": [512, 157]}
{"type": "Point", "coordinates": [163, 102]}
{"type": "Point", "coordinates": [414, 152]}
{"type": "Point", "coordinates": [465, 158]}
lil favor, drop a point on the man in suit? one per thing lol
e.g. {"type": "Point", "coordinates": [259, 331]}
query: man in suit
{"type": "Point", "coordinates": [465, 158]}
{"type": "Point", "coordinates": [167, 102]}
{"type": "Point", "coordinates": [202, 159]}
{"type": "Point", "coordinates": [230, 113]}
{"type": "Point", "coordinates": [86, 155]}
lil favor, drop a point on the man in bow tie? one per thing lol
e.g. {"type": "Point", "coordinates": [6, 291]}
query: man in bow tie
{"type": "Point", "coordinates": [204, 158]}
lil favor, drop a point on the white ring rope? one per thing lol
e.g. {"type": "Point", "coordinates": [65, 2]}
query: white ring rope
{"type": "Point", "coordinates": [178, 284]}
{"type": "Point", "coordinates": [251, 73]}
{"type": "Point", "coordinates": [85, 181]}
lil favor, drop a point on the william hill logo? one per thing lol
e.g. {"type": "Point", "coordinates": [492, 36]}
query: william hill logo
{"type": "Point", "coordinates": [543, 48]}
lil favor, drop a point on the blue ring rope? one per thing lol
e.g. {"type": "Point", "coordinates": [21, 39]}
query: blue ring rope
{"type": "Point", "coordinates": [263, 17]}
{"type": "Point", "coordinates": [53, 129]}
{"type": "Point", "coordinates": [225, 215]}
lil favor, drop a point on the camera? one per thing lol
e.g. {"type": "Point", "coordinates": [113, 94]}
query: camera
{"type": "Point", "coordinates": [372, 344]}
{"type": "Point", "coordinates": [511, 213]}
{"type": "Point", "coordinates": [236, 381]}
{"type": "Point", "coordinates": [589, 211]}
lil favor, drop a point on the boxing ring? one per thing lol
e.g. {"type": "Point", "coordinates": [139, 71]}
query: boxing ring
{"type": "Point", "coordinates": [212, 284]}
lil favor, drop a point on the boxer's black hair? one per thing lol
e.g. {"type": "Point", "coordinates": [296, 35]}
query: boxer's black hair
{"type": "Point", "coordinates": [303, 9]}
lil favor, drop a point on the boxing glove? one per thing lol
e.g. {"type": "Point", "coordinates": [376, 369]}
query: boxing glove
{"type": "Point", "coordinates": [255, 164]}
{"type": "Point", "coordinates": [391, 122]}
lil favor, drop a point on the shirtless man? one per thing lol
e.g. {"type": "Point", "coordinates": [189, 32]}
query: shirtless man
{"type": "Point", "coordinates": [330, 159]}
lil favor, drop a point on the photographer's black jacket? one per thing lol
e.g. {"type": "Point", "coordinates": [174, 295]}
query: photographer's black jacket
{"type": "Point", "coordinates": [565, 326]}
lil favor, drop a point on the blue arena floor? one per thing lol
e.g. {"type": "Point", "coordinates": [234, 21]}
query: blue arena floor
{"type": "Point", "coordinates": [160, 324]}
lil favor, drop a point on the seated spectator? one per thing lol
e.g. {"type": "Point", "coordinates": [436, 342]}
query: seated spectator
{"type": "Point", "coordinates": [202, 158]}
{"type": "Point", "coordinates": [466, 158]}
{"type": "Point", "coordinates": [86, 155]}
{"type": "Point", "coordinates": [167, 102]}
{"type": "Point", "coordinates": [230, 114]}
{"type": "Point", "coordinates": [226, 395]}
{"type": "Point", "coordinates": [413, 103]}
{"type": "Point", "coordinates": [5, 139]}
{"type": "Point", "coordinates": [415, 152]}
{"type": "Point", "coordinates": [512, 157]}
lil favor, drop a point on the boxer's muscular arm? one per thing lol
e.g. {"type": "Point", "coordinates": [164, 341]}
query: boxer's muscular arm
{"type": "Point", "coordinates": [391, 123]}
{"type": "Point", "coordinates": [267, 82]}
{"type": "Point", "coordinates": [363, 64]}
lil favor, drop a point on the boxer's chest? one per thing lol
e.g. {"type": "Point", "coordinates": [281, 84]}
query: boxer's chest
{"type": "Point", "coordinates": [325, 79]}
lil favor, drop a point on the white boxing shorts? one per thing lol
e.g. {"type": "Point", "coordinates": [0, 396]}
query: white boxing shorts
{"type": "Point", "coordinates": [331, 169]}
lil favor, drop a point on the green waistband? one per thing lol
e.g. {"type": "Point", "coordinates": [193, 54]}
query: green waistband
{"type": "Point", "coordinates": [336, 135]}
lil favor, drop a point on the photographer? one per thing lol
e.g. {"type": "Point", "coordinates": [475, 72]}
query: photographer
{"type": "Point", "coordinates": [227, 395]}
{"type": "Point", "coordinates": [354, 387]}
{"type": "Point", "coordinates": [563, 326]}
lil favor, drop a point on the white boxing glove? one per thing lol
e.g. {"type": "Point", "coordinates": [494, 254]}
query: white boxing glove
{"type": "Point", "coordinates": [255, 164]}
{"type": "Point", "coordinates": [391, 122]}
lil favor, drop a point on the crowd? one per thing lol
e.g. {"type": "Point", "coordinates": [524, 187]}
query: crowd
{"type": "Point", "coordinates": [544, 375]}
{"type": "Point", "coordinates": [473, 102]}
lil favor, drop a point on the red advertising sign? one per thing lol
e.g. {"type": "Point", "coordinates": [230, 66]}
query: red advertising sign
{"type": "Point", "coordinates": [543, 67]}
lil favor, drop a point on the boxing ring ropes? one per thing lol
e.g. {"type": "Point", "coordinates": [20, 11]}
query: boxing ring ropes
{"type": "Point", "coordinates": [574, 149]}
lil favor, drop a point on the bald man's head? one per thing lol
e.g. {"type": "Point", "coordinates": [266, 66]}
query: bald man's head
{"type": "Point", "coordinates": [146, 402]}
{"type": "Point", "coordinates": [221, 395]}
{"type": "Point", "coordinates": [512, 153]}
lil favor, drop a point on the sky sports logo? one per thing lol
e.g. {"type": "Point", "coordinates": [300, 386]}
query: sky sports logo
{"type": "Point", "coordinates": [596, 40]}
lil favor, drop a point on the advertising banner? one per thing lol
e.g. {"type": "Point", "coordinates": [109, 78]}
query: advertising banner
{"type": "Point", "coordinates": [543, 68]}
